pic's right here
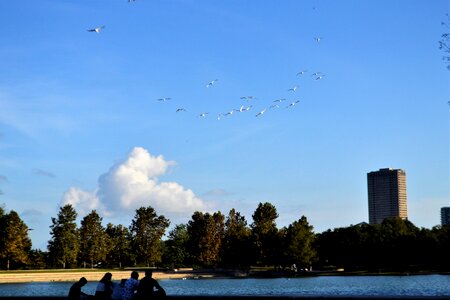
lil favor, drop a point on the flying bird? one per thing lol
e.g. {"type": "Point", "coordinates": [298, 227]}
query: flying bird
{"type": "Point", "coordinates": [164, 99]}
{"type": "Point", "coordinates": [318, 39]}
{"type": "Point", "coordinates": [320, 77]}
{"type": "Point", "coordinates": [293, 89]}
{"type": "Point", "coordinates": [243, 108]}
{"type": "Point", "coordinates": [97, 29]}
{"type": "Point", "coordinates": [274, 106]}
{"type": "Point", "coordinates": [293, 103]}
{"type": "Point", "coordinates": [302, 72]}
{"type": "Point", "coordinates": [212, 83]}
{"type": "Point", "coordinates": [279, 100]}
{"type": "Point", "coordinates": [203, 114]}
{"type": "Point", "coordinates": [180, 109]}
{"type": "Point", "coordinates": [261, 112]}
{"type": "Point", "coordinates": [247, 97]}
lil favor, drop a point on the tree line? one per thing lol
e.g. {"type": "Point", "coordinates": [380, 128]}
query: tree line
{"type": "Point", "coordinates": [215, 240]}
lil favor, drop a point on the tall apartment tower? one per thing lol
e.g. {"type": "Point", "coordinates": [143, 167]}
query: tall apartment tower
{"type": "Point", "coordinates": [387, 195]}
{"type": "Point", "coordinates": [445, 216]}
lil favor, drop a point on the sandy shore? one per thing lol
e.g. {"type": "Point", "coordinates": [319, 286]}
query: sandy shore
{"type": "Point", "coordinates": [47, 276]}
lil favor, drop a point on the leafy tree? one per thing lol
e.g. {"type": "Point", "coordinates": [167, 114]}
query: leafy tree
{"type": "Point", "coordinates": [444, 43]}
{"type": "Point", "coordinates": [427, 252]}
{"type": "Point", "coordinates": [265, 233]}
{"type": "Point", "coordinates": [175, 248]}
{"type": "Point", "coordinates": [38, 259]}
{"type": "Point", "coordinates": [340, 247]}
{"type": "Point", "coordinates": [64, 244]}
{"type": "Point", "coordinates": [237, 246]}
{"type": "Point", "coordinates": [393, 245]}
{"type": "Point", "coordinates": [94, 242]}
{"type": "Point", "coordinates": [299, 240]}
{"type": "Point", "coordinates": [14, 241]}
{"type": "Point", "coordinates": [398, 238]}
{"type": "Point", "coordinates": [442, 234]}
{"type": "Point", "coordinates": [147, 229]}
{"type": "Point", "coordinates": [205, 237]}
{"type": "Point", "coordinates": [120, 253]}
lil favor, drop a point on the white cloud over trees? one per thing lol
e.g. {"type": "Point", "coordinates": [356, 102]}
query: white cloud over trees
{"type": "Point", "coordinates": [133, 183]}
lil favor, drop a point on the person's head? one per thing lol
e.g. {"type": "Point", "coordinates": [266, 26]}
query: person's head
{"type": "Point", "coordinates": [148, 273]}
{"type": "Point", "coordinates": [82, 281]}
{"type": "Point", "coordinates": [106, 278]}
{"type": "Point", "coordinates": [122, 282]}
{"type": "Point", "coordinates": [134, 275]}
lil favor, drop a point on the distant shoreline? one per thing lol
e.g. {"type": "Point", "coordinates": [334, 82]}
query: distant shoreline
{"type": "Point", "coordinates": [73, 275]}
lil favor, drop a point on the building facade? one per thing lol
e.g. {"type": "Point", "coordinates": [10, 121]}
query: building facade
{"type": "Point", "coordinates": [387, 195]}
{"type": "Point", "coordinates": [445, 216]}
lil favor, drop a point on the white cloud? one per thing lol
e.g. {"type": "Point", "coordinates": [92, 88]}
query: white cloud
{"type": "Point", "coordinates": [133, 183]}
{"type": "Point", "coordinates": [83, 201]}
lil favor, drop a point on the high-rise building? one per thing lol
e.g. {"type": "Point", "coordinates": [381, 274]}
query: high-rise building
{"type": "Point", "coordinates": [387, 195]}
{"type": "Point", "coordinates": [445, 216]}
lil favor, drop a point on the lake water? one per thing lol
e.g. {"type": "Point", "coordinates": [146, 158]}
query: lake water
{"type": "Point", "coordinates": [417, 285]}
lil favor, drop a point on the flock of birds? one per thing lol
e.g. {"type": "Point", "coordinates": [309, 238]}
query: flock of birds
{"type": "Point", "coordinates": [247, 106]}
{"type": "Point", "coordinates": [275, 104]}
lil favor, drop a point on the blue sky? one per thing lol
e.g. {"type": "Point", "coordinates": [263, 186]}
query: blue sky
{"type": "Point", "coordinates": [80, 122]}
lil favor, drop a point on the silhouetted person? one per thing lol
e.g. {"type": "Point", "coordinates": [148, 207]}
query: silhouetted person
{"type": "Point", "coordinates": [105, 288]}
{"type": "Point", "coordinates": [118, 288]}
{"type": "Point", "coordinates": [75, 292]}
{"type": "Point", "coordinates": [147, 285]}
{"type": "Point", "coordinates": [130, 287]}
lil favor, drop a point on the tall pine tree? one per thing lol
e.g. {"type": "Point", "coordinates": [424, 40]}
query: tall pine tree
{"type": "Point", "coordinates": [94, 242]}
{"type": "Point", "coordinates": [64, 244]}
{"type": "Point", "coordinates": [147, 229]}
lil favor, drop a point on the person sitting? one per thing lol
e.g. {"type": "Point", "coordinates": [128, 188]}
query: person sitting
{"type": "Point", "coordinates": [130, 287]}
{"type": "Point", "coordinates": [147, 285]}
{"type": "Point", "coordinates": [117, 289]}
{"type": "Point", "coordinates": [75, 292]}
{"type": "Point", "coordinates": [105, 287]}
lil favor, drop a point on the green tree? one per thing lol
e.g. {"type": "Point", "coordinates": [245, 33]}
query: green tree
{"type": "Point", "coordinates": [64, 244]}
{"type": "Point", "coordinates": [398, 237]}
{"type": "Point", "coordinates": [94, 242]}
{"type": "Point", "coordinates": [175, 247]}
{"type": "Point", "coordinates": [356, 247]}
{"type": "Point", "coordinates": [147, 229]}
{"type": "Point", "coordinates": [442, 234]}
{"type": "Point", "coordinates": [444, 42]}
{"type": "Point", "coordinates": [120, 253]}
{"type": "Point", "coordinates": [299, 241]}
{"type": "Point", "coordinates": [205, 238]}
{"type": "Point", "coordinates": [236, 246]}
{"type": "Point", "coordinates": [14, 241]}
{"type": "Point", "coordinates": [38, 259]}
{"type": "Point", "coordinates": [265, 233]}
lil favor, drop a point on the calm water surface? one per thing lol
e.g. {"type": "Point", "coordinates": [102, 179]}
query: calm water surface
{"type": "Point", "coordinates": [418, 285]}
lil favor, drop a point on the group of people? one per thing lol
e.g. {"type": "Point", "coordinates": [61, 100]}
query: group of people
{"type": "Point", "coordinates": [129, 289]}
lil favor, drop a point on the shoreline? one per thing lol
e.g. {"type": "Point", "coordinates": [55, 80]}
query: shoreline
{"type": "Point", "coordinates": [74, 275]}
